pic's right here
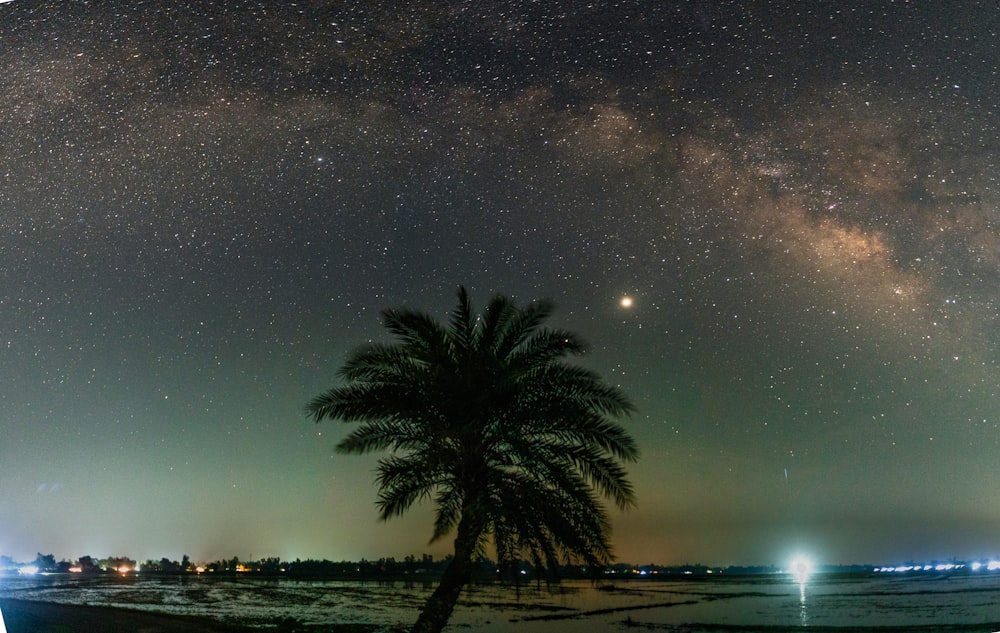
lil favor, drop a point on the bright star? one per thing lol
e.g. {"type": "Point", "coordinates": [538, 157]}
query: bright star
{"type": "Point", "coordinates": [626, 302]}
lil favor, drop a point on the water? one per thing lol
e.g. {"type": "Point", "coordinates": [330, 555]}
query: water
{"type": "Point", "coordinates": [752, 603]}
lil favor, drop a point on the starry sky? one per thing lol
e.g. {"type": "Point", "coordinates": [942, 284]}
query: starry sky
{"type": "Point", "coordinates": [205, 205]}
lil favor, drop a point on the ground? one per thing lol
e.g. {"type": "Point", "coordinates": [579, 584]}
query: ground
{"type": "Point", "coordinates": [22, 616]}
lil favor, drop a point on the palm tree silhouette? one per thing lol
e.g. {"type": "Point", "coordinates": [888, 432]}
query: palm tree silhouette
{"type": "Point", "coordinates": [484, 417]}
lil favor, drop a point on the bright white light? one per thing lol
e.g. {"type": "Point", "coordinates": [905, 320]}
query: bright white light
{"type": "Point", "coordinates": [993, 565]}
{"type": "Point", "coordinates": [28, 570]}
{"type": "Point", "coordinates": [801, 568]}
{"type": "Point", "coordinates": [626, 302]}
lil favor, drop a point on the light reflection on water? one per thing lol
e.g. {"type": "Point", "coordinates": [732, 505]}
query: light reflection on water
{"type": "Point", "coordinates": [803, 614]}
{"type": "Point", "coordinates": [776, 602]}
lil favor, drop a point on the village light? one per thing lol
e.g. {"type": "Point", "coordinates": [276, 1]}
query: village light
{"type": "Point", "coordinates": [801, 568]}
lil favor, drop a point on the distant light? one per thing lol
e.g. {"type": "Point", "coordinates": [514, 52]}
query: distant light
{"type": "Point", "coordinates": [28, 570]}
{"type": "Point", "coordinates": [626, 302]}
{"type": "Point", "coordinates": [976, 565]}
{"type": "Point", "coordinates": [993, 565]}
{"type": "Point", "coordinates": [801, 568]}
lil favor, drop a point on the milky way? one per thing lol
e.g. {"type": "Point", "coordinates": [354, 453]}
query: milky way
{"type": "Point", "coordinates": [205, 205]}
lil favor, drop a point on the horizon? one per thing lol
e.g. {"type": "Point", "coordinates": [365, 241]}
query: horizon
{"type": "Point", "coordinates": [774, 224]}
{"type": "Point", "coordinates": [984, 564]}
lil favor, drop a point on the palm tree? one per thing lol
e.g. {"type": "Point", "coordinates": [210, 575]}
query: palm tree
{"type": "Point", "coordinates": [484, 417]}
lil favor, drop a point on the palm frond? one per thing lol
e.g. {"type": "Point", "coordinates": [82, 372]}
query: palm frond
{"type": "Point", "coordinates": [380, 436]}
{"type": "Point", "coordinates": [496, 315]}
{"type": "Point", "coordinates": [402, 481]}
{"type": "Point", "coordinates": [519, 326]}
{"type": "Point", "coordinates": [544, 347]}
{"type": "Point", "coordinates": [463, 321]}
{"type": "Point", "coordinates": [420, 335]}
{"type": "Point", "coordinates": [448, 510]}
{"type": "Point", "coordinates": [378, 362]}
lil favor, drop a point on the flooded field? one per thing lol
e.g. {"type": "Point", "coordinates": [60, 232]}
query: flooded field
{"type": "Point", "coordinates": [752, 603]}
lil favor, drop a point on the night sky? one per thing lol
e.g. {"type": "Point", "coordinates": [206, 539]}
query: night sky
{"type": "Point", "coordinates": [205, 205]}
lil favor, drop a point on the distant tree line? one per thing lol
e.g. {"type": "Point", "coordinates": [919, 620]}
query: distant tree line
{"type": "Point", "coordinates": [383, 568]}
{"type": "Point", "coordinates": [424, 567]}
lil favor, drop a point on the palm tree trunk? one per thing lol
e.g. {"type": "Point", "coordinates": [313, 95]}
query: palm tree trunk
{"type": "Point", "coordinates": [437, 610]}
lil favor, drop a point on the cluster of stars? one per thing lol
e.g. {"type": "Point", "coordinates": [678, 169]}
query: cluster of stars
{"type": "Point", "coordinates": [775, 224]}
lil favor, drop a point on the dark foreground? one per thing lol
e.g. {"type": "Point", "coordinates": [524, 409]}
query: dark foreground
{"type": "Point", "coordinates": [23, 616]}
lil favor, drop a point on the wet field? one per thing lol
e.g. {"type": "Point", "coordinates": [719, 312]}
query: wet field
{"type": "Point", "coordinates": [834, 603]}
